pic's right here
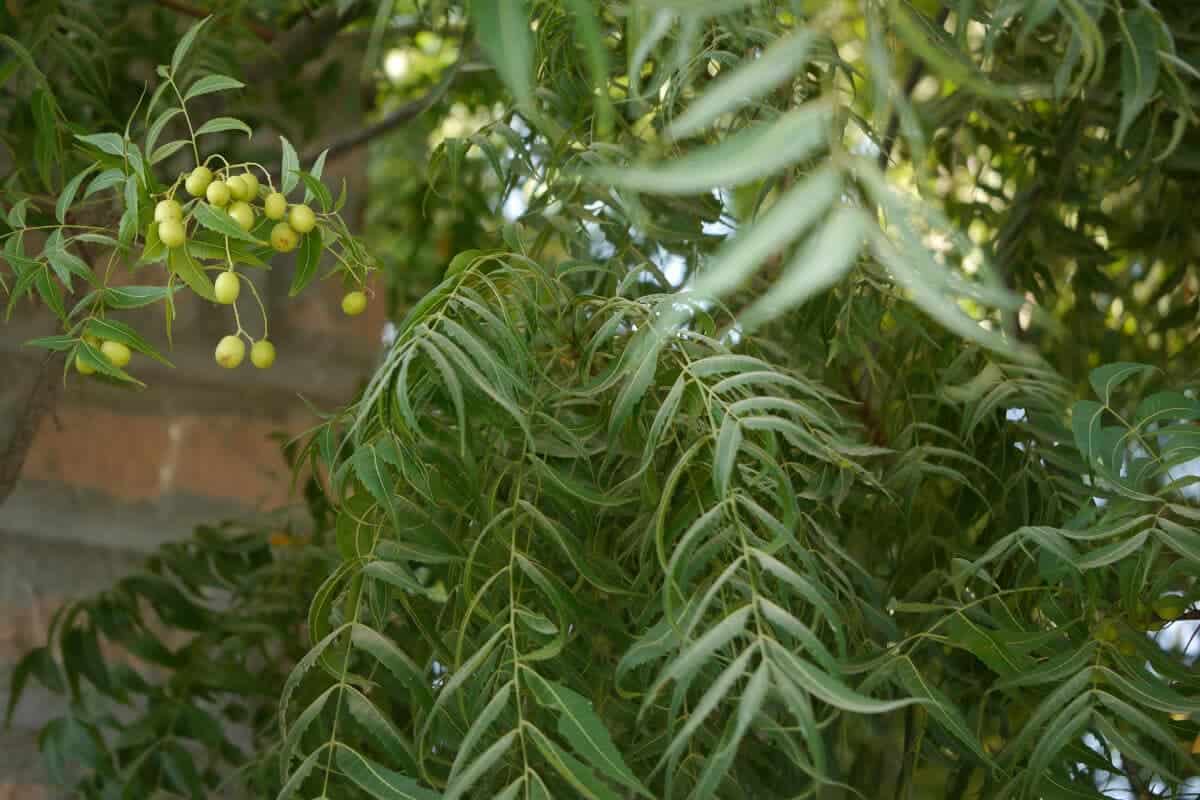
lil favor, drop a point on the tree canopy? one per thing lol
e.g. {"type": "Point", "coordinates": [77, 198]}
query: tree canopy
{"type": "Point", "coordinates": [784, 399]}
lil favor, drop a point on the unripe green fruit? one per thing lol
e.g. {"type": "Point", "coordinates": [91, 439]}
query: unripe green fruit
{"type": "Point", "coordinates": [227, 287]}
{"type": "Point", "coordinates": [354, 303]}
{"type": "Point", "coordinates": [198, 180]}
{"type": "Point", "coordinates": [251, 184]}
{"type": "Point", "coordinates": [1126, 648]}
{"type": "Point", "coordinates": [283, 238]}
{"type": "Point", "coordinates": [230, 351]}
{"type": "Point", "coordinates": [1169, 608]}
{"type": "Point", "coordinates": [242, 214]}
{"type": "Point", "coordinates": [238, 188]}
{"type": "Point", "coordinates": [302, 219]}
{"type": "Point", "coordinates": [168, 209]}
{"type": "Point", "coordinates": [218, 194]}
{"type": "Point", "coordinates": [275, 206]}
{"type": "Point", "coordinates": [262, 354]}
{"type": "Point", "coordinates": [83, 368]}
{"type": "Point", "coordinates": [1107, 632]}
{"type": "Point", "coordinates": [117, 354]}
{"type": "Point", "coordinates": [171, 233]}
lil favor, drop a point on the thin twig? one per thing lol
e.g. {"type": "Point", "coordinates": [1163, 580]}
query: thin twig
{"type": "Point", "coordinates": [910, 82]}
{"type": "Point", "coordinates": [41, 399]}
{"type": "Point", "coordinates": [390, 121]}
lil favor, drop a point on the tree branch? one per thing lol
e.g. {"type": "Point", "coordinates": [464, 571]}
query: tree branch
{"type": "Point", "coordinates": [910, 82]}
{"type": "Point", "coordinates": [42, 397]}
{"type": "Point", "coordinates": [187, 9]}
{"type": "Point", "coordinates": [389, 121]}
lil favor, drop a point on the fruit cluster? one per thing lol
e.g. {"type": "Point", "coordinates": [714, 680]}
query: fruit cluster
{"type": "Point", "coordinates": [236, 195]}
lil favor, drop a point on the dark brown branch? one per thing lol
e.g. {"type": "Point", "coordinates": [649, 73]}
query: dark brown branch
{"type": "Point", "coordinates": [187, 9]}
{"type": "Point", "coordinates": [390, 121]}
{"type": "Point", "coordinates": [41, 399]}
{"type": "Point", "coordinates": [910, 82]}
{"type": "Point", "coordinates": [303, 42]}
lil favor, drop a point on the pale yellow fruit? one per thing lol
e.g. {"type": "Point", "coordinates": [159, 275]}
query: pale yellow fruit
{"type": "Point", "coordinates": [354, 303]}
{"type": "Point", "coordinates": [251, 185]}
{"type": "Point", "coordinates": [168, 209]}
{"type": "Point", "coordinates": [198, 180]}
{"type": "Point", "coordinates": [230, 351]}
{"type": "Point", "coordinates": [275, 206]}
{"type": "Point", "coordinates": [83, 368]}
{"type": "Point", "coordinates": [262, 354]}
{"type": "Point", "coordinates": [283, 238]}
{"type": "Point", "coordinates": [302, 219]}
{"type": "Point", "coordinates": [238, 189]}
{"type": "Point", "coordinates": [227, 287]}
{"type": "Point", "coordinates": [242, 214]}
{"type": "Point", "coordinates": [171, 233]}
{"type": "Point", "coordinates": [117, 354]}
{"type": "Point", "coordinates": [218, 194]}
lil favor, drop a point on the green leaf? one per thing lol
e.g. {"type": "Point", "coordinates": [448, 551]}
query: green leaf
{"type": "Point", "coordinates": [794, 212]}
{"type": "Point", "coordinates": [1139, 65]}
{"type": "Point", "coordinates": [156, 129]}
{"type": "Point", "coordinates": [68, 193]}
{"type": "Point", "coordinates": [111, 143]}
{"type": "Point", "coordinates": [579, 724]}
{"type": "Point", "coordinates": [307, 259]}
{"type": "Point", "coordinates": [112, 330]}
{"type": "Point", "coordinates": [819, 264]}
{"type": "Point", "coordinates": [181, 264]}
{"type": "Point", "coordinates": [581, 779]}
{"type": "Point", "coordinates": [479, 726]}
{"type": "Point", "coordinates": [222, 124]}
{"type": "Point", "coordinates": [220, 222]}
{"type": "Point", "coordinates": [744, 156]}
{"type": "Point", "coordinates": [289, 170]}
{"type": "Point", "coordinates": [57, 343]}
{"type": "Point", "coordinates": [318, 168]}
{"type": "Point", "coordinates": [185, 44]}
{"type": "Point", "coordinates": [167, 150]}
{"type": "Point", "coordinates": [212, 83]}
{"type": "Point", "coordinates": [93, 358]}
{"type": "Point", "coordinates": [50, 293]}
{"type": "Point", "coordinates": [1108, 377]}
{"type": "Point", "coordinates": [135, 296]}
{"type": "Point", "coordinates": [775, 66]}
{"type": "Point", "coordinates": [502, 27]}
{"type": "Point", "coordinates": [380, 782]}
{"type": "Point", "coordinates": [105, 180]}
{"type": "Point", "coordinates": [487, 759]}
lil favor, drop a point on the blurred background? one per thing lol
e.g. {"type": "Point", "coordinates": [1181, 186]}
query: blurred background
{"type": "Point", "coordinates": [111, 473]}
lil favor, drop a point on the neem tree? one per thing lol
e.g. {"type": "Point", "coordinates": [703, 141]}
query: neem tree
{"type": "Point", "coordinates": [741, 454]}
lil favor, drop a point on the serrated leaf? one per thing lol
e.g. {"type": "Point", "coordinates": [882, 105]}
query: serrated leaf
{"type": "Point", "coordinates": [185, 44]}
{"type": "Point", "coordinates": [112, 330]}
{"type": "Point", "coordinates": [111, 143]}
{"type": "Point", "coordinates": [583, 729]}
{"type": "Point", "coordinates": [307, 258]}
{"type": "Point", "coordinates": [1106, 379]}
{"type": "Point", "coordinates": [1139, 65]}
{"type": "Point", "coordinates": [581, 779]}
{"type": "Point", "coordinates": [212, 83]}
{"type": "Point", "coordinates": [182, 265]}
{"type": "Point", "coordinates": [487, 759]}
{"type": "Point", "coordinates": [219, 221]}
{"type": "Point", "coordinates": [479, 726]}
{"type": "Point", "coordinates": [378, 781]}
{"type": "Point", "coordinates": [68, 193]}
{"type": "Point", "coordinates": [776, 65]}
{"type": "Point", "coordinates": [502, 27]}
{"type": "Point", "coordinates": [57, 343]}
{"type": "Point", "coordinates": [135, 296]}
{"type": "Point", "coordinates": [156, 128]}
{"type": "Point", "coordinates": [167, 150]}
{"type": "Point", "coordinates": [105, 180]}
{"type": "Point", "coordinates": [289, 167]}
{"type": "Point", "coordinates": [223, 124]}
{"type": "Point", "coordinates": [742, 157]}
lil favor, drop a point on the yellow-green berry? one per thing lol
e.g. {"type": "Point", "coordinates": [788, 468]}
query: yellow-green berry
{"type": "Point", "coordinates": [198, 180]}
{"type": "Point", "coordinates": [117, 353]}
{"type": "Point", "coordinates": [302, 219]}
{"type": "Point", "coordinates": [242, 214]}
{"type": "Point", "coordinates": [218, 194]}
{"type": "Point", "coordinates": [275, 206]}
{"type": "Point", "coordinates": [230, 351]}
{"type": "Point", "coordinates": [354, 303]}
{"type": "Point", "coordinates": [283, 238]}
{"type": "Point", "coordinates": [171, 233]}
{"type": "Point", "coordinates": [226, 287]}
{"type": "Point", "coordinates": [262, 354]}
{"type": "Point", "coordinates": [168, 209]}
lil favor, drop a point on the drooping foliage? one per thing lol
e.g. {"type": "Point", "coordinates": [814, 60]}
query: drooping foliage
{"type": "Point", "coordinates": [807, 410]}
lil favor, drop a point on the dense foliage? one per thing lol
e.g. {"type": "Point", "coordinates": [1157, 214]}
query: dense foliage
{"type": "Point", "coordinates": [802, 407]}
